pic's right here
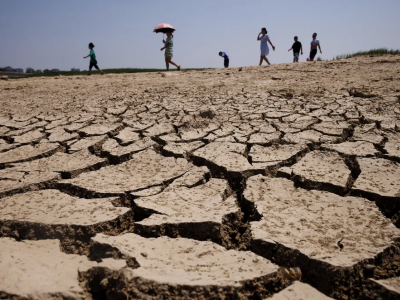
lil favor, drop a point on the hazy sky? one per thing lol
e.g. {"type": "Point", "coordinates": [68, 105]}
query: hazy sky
{"type": "Point", "coordinates": [55, 34]}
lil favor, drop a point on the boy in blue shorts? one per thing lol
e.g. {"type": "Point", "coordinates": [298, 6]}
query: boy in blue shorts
{"type": "Point", "coordinates": [226, 59]}
{"type": "Point", "coordinates": [93, 60]}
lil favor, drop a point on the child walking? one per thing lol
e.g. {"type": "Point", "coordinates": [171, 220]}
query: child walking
{"type": "Point", "coordinates": [264, 38]}
{"type": "Point", "coordinates": [93, 61]}
{"type": "Point", "coordinates": [296, 49]}
{"type": "Point", "coordinates": [226, 59]}
{"type": "Point", "coordinates": [314, 44]}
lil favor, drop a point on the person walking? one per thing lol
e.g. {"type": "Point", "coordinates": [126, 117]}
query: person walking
{"type": "Point", "coordinates": [226, 59]}
{"type": "Point", "coordinates": [296, 49]}
{"type": "Point", "coordinates": [264, 38]}
{"type": "Point", "coordinates": [93, 61]}
{"type": "Point", "coordinates": [169, 45]}
{"type": "Point", "coordinates": [314, 45]}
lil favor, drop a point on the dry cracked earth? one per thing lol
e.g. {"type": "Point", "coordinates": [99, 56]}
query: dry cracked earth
{"type": "Point", "coordinates": [203, 184]}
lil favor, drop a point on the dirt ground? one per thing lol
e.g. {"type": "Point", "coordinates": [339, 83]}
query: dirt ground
{"type": "Point", "coordinates": [214, 184]}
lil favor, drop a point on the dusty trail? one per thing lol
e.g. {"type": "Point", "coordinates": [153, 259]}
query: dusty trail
{"type": "Point", "coordinates": [202, 184]}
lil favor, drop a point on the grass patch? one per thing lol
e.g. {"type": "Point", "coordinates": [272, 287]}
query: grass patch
{"type": "Point", "coordinates": [107, 71]}
{"type": "Point", "coordinates": [373, 52]}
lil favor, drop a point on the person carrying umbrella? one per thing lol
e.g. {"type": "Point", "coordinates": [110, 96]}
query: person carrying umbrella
{"type": "Point", "coordinates": [169, 45]}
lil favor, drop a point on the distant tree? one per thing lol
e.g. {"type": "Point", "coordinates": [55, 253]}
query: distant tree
{"type": "Point", "coordinates": [319, 58]}
{"type": "Point", "coordinates": [46, 70]}
{"type": "Point", "coordinates": [30, 70]}
{"type": "Point", "coordinates": [2, 69]}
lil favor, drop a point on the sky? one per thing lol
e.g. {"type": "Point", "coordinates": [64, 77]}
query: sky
{"type": "Point", "coordinates": [46, 34]}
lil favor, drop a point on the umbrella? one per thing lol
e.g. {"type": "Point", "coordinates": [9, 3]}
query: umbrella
{"type": "Point", "coordinates": [164, 27]}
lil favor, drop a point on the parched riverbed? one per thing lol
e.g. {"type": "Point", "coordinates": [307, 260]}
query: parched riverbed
{"type": "Point", "coordinates": [203, 184]}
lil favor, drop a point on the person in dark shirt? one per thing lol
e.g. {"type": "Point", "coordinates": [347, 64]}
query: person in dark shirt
{"type": "Point", "coordinates": [296, 49]}
{"type": "Point", "coordinates": [226, 59]}
{"type": "Point", "coordinates": [93, 61]}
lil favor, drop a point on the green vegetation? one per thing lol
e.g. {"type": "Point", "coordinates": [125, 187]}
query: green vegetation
{"type": "Point", "coordinates": [377, 52]}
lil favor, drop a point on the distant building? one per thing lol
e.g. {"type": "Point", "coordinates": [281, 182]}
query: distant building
{"type": "Point", "coordinates": [75, 70]}
{"type": "Point", "coordinates": [19, 70]}
{"type": "Point", "coordinates": [55, 70]}
{"type": "Point", "coordinates": [9, 69]}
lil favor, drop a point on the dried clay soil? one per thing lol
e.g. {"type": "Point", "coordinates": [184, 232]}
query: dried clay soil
{"type": "Point", "coordinates": [207, 184]}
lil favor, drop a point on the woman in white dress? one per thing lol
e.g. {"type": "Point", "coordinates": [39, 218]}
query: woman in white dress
{"type": "Point", "coordinates": [264, 38]}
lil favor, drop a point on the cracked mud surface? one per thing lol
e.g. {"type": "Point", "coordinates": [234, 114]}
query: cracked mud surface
{"type": "Point", "coordinates": [202, 184]}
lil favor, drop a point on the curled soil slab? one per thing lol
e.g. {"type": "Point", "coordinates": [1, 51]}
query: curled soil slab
{"type": "Point", "coordinates": [392, 147]}
{"type": "Point", "coordinates": [6, 121]}
{"type": "Point", "coordinates": [137, 125]}
{"type": "Point", "coordinates": [194, 177]}
{"type": "Point", "coordinates": [92, 144]}
{"type": "Point", "coordinates": [181, 149]}
{"type": "Point", "coordinates": [5, 146]}
{"type": "Point", "coordinates": [321, 170]}
{"type": "Point", "coordinates": [52, 214]}
{"type": "Point", "coordinates": [127, 136]}
{"type": "Point", "coordinates": [338, 128]}
{"type": "Point", "coordinates": [225, 131]}
{"type": "Point", "coordinates": [309, 137]}
{"type": "Point", "coordinates": [117, 110]}
{"type": "Point", "coordinates": [224, 158]}
{"type": "Point", "coordinates": [388, 289]}
{"type": "Point", "coordinates": [28, 152]}
{"type": "Point", "coordinates": [100, 129]}
{"type": "Point", "coordinates": [13, 133]}
{"type": "Point", "coordinates": [4, 130]}
{"type": "Point", "coordinates": [168, 138]}
{"type": "Point", "coordinates": [322, 233]}
{"type": "Point", "coordinates": [60, 135]}
{"type": "Point", "coordinates": [193, 134]}
{"type": "Point", "coordinates": [276, 114]}
{"type": "Point", "coordinates": [29, 137]}
{"type": "Point", "coordinates": [393, 151]}
{"type": "Point", "coordinates": [144, 170]}
{"type": "Point", "coordinates": [379, 181]}
{"type": "Point", "coordinates": [39, 270]}
{"type": "Point", "coordinates": [360, 148]}
{"type": "Point", "coordinates": [13, 181]}
{"type": "Point", "coordinates": [303, 122]}
{"type": "Point", "coordinates": [299, 291]}
{"type": "Point", "coordinates": [264, 138]}
{"type": "Point", "coordinates": [182, 268]}
{"type": "Point", "coordinates": [159, 129]}
{"type": "Point", "coordinates": [284, 127]}
{"type": "Point", "coordinates": [75, 126]}
{"type": "Point", "coordinates": [118, 154]}
{"type": "Point", "coordinates": [198, 212]}
{"type": "Point", "coordinates": [276, 155]}
{"type": "Point", "coordinates": [368, 133]}
{"type": "Point", "coordinates": [69, 165]}
{"type": "Point", "coordinates": [54, 124]}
